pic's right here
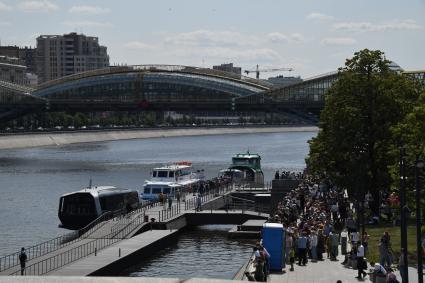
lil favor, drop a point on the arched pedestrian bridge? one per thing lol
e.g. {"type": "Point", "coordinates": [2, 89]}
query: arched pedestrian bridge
{"type": "Point", "coordinates": [165, 88]}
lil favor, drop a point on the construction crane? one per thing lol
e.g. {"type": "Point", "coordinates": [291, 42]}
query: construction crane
{"type": "Point", "coordinates": [257, 71]}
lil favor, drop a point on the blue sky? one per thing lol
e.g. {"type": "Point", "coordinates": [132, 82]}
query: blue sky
{"type": "Point", "coordinates": [311, 36]}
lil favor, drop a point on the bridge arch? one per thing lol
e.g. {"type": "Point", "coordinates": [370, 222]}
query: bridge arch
{"type": "Point", "coordinates": [151, 83]}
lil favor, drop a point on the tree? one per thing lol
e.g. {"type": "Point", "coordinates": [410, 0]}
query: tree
{"type": "Point", "coordinates": [353, 146]}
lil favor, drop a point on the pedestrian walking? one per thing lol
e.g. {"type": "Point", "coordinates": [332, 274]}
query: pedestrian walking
{"type": "Point", "coordinates": [22, 260]}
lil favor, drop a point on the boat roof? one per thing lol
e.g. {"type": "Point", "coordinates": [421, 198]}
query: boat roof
{"type": "Point", "coordinates": [171, 184]}
{"type": "Point", "coordinates": [172, 167]}
{"type": "Point", "coordinates": [247, 155]}
{"type": "Point", "coordinates": [95, 190]}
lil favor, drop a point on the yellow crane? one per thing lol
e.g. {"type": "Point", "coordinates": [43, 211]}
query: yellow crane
{"type": "Point", "coordinates": [257, 71]}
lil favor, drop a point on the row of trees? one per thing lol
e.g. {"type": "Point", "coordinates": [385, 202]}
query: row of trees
{"type": "Point", "coordinates": [150, 119]}
{"type": "Point", "coordinates": [370, 112]}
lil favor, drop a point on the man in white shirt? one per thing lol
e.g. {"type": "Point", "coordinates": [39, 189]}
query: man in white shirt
{"type": "Point", "coordinates": [360, 262]}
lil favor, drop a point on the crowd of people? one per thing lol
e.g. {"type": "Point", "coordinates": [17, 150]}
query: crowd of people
{"type": "Point", "coordinates": [319, 218]}
{"type": "Point", "coordinates": [288, 175]}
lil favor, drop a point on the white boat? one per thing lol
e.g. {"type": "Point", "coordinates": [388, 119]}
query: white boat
{"type": "Point", "coordinates": [170, 179]}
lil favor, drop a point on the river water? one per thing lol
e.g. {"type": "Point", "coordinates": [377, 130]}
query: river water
{"type": "Point", "coordinates": [32, 180]}
{"type": "Point", "coordinates": [203, 251]}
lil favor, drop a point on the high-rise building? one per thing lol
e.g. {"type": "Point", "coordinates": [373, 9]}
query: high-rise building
{"type": "Point", "coordinates": [63, 55]}
{"type": "Point", "coordinates": [228, 68]}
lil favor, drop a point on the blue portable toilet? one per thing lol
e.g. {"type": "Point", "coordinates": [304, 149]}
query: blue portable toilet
{"type": "Point", "coordinates": [273, 241]}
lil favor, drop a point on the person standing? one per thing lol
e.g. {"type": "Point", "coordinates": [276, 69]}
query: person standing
{"type": "Point", "coordinates": [365, 241]}
{"type": "Point", "coordinates": [360, 262]}
{"type": "Point", "coordinates": [178, 195]}
{"type": "Point", "coordinates": [334, 239]}
{"type": "Point", "coordinates": [289, 243]}
{"type": "Point", "coordinates": [313, 243]}
{"type": "Point", "coordinates": [22, 260]}
{"type": "Point", "coordinates": [302, 249]}
{"type": "Point", "coordinates": [384, 250]}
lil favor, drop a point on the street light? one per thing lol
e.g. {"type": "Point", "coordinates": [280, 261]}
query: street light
{"type": "Point", "coordinates": [419, 164]}
{"type": "Point", "coordinates": [403, 224]}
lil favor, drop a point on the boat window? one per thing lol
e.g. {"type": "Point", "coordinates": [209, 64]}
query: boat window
{"type": "Point", "coordinates": [154, 173]}
{"type": "Point", "coordinates": [185, 172]}
{"type": "Point", "coordinates": [162, 174]}
{"type": "Point", "coordinates": [78, 204]}
{"type": "Point", "coordinates": [112, 202]}
{"type": "Point", "coordinates": [156, 190]}
{"type": "Point", "coordinates": [166, 191]}
{"type": "Point", "coordinates": [147, 191]}
{"type": "Point", "coordinates": [171, 174]}
{"type": "Point", "coordinates": [131, 199]}
{"type": "Point", "coordinates": [240, 161]}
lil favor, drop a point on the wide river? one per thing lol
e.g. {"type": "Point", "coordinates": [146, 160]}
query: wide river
{"type": "Point", "coordinates": [32, 180]}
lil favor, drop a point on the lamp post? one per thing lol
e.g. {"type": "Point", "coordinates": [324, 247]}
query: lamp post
{"type": "Point", "coordinates": [403, 223]}
{"type": "Point", "coordinates": [419, 164]}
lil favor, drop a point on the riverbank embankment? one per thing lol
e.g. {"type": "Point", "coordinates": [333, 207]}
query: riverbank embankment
{"type": "Point", "coordinates": [63, 138]}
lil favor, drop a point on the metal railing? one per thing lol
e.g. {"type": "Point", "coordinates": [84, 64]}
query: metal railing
{"type": "Point", "coordinates": [57, 261]}
{"type": "Point", "coordinates": [54, 244]}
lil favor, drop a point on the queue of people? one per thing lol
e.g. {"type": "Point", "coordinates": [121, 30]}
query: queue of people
{"type": "Point", "coordinates": [318, 219]}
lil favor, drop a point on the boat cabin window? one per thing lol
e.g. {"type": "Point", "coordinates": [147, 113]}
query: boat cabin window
{"type": "Point", "coordinates": [166, 191]}
{"type": "Point", "coordinates": [147, 190]}
{"type": "Point", "coordinates": [171, 174]}
{"type": "Point", "coordinates": [156, 190]}
{"type": "Point", "coordinates": [154, 173]}
{"type": "Point", "coordinates": [162, 174]}
{"type": "Point", "coordinates": [240, 161]}
{"type": "Point", "coordinates": [78, 204]}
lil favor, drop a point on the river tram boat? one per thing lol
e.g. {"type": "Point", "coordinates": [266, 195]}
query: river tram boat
{"type": "Point", "coordinates": [170, 179]}
{"type": "Point", "coordinates": [78, 209]}
{"type": "Point", "coordinates": [245, 168]}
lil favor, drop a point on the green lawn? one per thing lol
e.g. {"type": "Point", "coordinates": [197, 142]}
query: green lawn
{"type": "Point", "coordinates": [394, 231]}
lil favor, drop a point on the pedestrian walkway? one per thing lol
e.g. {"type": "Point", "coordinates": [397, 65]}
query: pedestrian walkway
{"type": "Point", "coordinates": [326, 272]}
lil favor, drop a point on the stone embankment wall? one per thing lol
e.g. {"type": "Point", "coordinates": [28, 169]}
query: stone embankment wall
{"type": "Point", "coordinates": [56, 139]}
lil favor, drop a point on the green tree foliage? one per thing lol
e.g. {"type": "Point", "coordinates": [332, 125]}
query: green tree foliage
{"type": "Point", "coordinates": [353, 146]}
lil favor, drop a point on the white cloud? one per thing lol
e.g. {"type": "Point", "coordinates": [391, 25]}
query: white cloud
{"type": "Point", "coordinates": [211, 38]}
{"type": "Point", "coordinates": [87, 24]}
{"type": "Point", "coordinates": [241, 55]}
{"type": "Point", "coordinates": [277, 37]}
{"type": "Point", "coordinates": [137, 45]}
{"type": "Point", "coordinates": [38, 6]}
{"type": "Point", "coordinates": [370, 27]}
{"type": "Point", "coordinates": [338, 41]}
{"type": "Point", "coordinates": [4, 7]}
{"type": "Point", "coordinates": [5, 24]}
{"type": "Point", "coordinates": [319, 17]}
{"type": "Point", "coordinates": [91, 10]}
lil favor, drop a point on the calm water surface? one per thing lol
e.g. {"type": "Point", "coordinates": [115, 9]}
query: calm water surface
{"type": "Point", "coordinates": [203, 251]}
{"type": "Point", "coordinates": [32, 180]}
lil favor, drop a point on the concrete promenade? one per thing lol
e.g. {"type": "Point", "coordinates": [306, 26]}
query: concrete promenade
{"type": "Point", "coordinates": [327, 271]}
{"type": "Point", "coordinates": [56, 139]}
